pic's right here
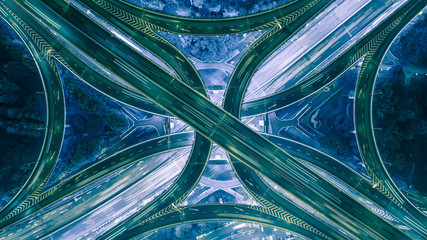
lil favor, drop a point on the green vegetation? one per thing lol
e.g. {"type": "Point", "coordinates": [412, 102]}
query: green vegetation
{"type": "Point", "coordinates": [87, 100]}
{"type": "Point", "coordinates": [187, 231]}
{"type": "Point", "coordinates": [16, 163]}
{"type": "Point", "coordinates": [22, 123]}
{"type": "Point", "coordinates": [330, 143]}
{"type": "Point", "coordinates": [205, 48]}
{"type": "Point", "coordinates": [411, 44]}
{"type": "Point", "coordinates": [116, 121]}
{"type": "Point", "coordinates": [95, 111]}
{"type": "Point", "coordinates": [86, 149]}
{"type": "Point", "coordinates": [19, 104]}
{"type": "Point", "coordinates": [209, 8]}
{"type": "Point", "coordinates": [400, 113]}
{"type": "Point", "coordinates": [336, 118]}
{"type": "Point", "coordinates": [92, 119]}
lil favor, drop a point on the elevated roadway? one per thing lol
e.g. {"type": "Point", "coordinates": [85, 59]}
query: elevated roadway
{"type": "Point", "coordinates": [251, 150]}
{"type": "Point", "coordinates": [104, 168]}
{"type": "Point", "coordinates": [180, 103]}
{"type": "Point", "coordinates": [219, 212]}
{"type": "Point", "coordinates": [233, 103]}
{"type": "Point", "coordinates": [187, 73]}
{"type": "Point", "coordinates": [233, 99]}
{"type": "Point", "coordinates": [202, 26]}
{"type": "Point", "coordinates": [116, 195]}
{"type": "Point", "coordinates": [200, 143]}
{"type": "Point", "coordinates": [319, 42]}
{"type": "Point", "coordinates": [55, 118]}
{"type": "Point", "coordinates": [146, 37]}
{"type": "Point", "coordinates": [274, 34]}
{"type": "Point", "coordinates": [364, 124]}
{"type": "Point", "coordinates": [325, 76]}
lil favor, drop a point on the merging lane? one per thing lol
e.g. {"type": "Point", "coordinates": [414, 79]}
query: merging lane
{"type": "Point", "coordinates": [364, 124]}
{"type": "Point", "coordinates": [275, 37]}
{"type": "Point", "coordinates": [219, 212]}
{"type": "Point", "coordinates": [233, 99]}
{"type": "Point", "coordinates": [55, 118]}
{"type": "Point", "coordinates": [234, 136]}
{"type": "Point", "coordinates": [202, 26]}
{"type": "Point", "coordinates": [106, 167]}
{"type": "Point", "coordinates": [325, 76]}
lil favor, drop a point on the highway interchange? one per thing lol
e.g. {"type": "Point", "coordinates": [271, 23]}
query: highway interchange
{"type": "Point", "coordinates": [185, 97]}
{"type": "Point", "coordinates": [55, 123]}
